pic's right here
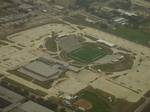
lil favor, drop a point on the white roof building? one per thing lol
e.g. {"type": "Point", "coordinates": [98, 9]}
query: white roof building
{"type": "Point", "coordinates": [106, 43]}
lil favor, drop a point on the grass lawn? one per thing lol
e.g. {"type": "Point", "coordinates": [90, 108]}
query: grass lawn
{"type": "Point", "coordinates": [80, 20]}
{"type": "Point", "coordinates": [51, 45]}
{"type": "Point", "coordinates": [99, 104]}
{"type": "Point", "coordinates": [134, 35]}
{"type": "Point", "coordinates": [87, 54]}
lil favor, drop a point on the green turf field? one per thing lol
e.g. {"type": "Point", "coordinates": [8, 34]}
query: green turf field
{"type": "Point", "coordinates": [87, 54]}
{"type": "Point", "coordinates": [99, 103]}
{"type": "Point", "coordinates": [51, 45]}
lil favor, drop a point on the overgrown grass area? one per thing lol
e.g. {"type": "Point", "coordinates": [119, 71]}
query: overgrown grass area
{"type": "Point", "coordinates": [80, 20]}
{"type": "Point", "coordinates": [135, 35]}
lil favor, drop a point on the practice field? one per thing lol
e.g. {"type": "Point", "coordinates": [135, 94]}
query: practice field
{"type": "Point", "coordinates": [99, 104]}
{"type": "Point", "coordinates": [87, 53]}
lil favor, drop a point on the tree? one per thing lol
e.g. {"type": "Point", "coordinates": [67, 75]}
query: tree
{"type": "Point", "coordinates": [54, 35]}
{"type": "Point", "coordinates": [62, 110]}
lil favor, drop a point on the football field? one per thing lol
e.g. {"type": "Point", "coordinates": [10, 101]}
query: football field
{"type": "Point", "coordinates": [87, 54]}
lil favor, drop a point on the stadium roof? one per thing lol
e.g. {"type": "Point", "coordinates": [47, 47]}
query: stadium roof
{"type": "Point", "coordinates": [42, 70]}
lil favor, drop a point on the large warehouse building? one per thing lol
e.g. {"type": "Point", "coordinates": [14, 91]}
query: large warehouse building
{"type": "Point", "coordinates": [43, 70]}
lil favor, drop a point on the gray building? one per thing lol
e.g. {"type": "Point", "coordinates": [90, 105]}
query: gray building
{"type": "Point", "coordinates": [43, 70]}
{"type": "Point", "coordinates": [9, 99]}
{"type": "Point", "coordinates": [31, 107]}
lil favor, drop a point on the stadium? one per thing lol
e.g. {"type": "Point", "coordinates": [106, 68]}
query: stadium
{"type": "Point", "coordinates": [97, 55]}
{"type": "Point", "coordinates": [79, 50]}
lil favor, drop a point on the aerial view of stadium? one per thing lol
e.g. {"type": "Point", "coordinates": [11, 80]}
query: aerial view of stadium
{"type": "Point", "coordinates": [74, 55]}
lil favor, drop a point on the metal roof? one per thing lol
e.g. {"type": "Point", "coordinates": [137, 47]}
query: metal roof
{"type": "Point", "coordinates": [10, 95]}
{"type": "Point", "coordinates": [41, 68]}
{"type": "Point", "coordinates": [31, 107]}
